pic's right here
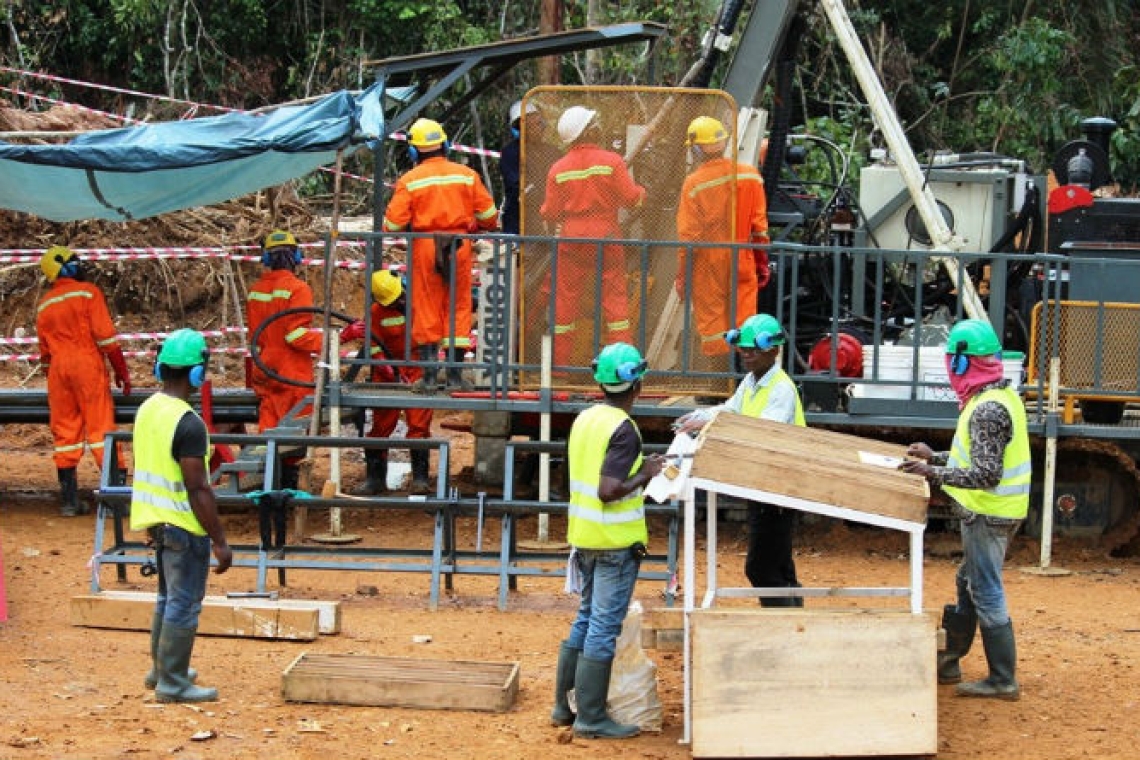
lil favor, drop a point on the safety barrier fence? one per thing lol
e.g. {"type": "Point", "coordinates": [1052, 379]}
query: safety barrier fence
{"type": "Point", "coordinates": [440, 557]}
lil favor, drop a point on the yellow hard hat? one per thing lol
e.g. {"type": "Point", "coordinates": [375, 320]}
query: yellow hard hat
{"type": "Point", "coordinates": [279, 238]}
{"type": "Point", "coordinates": [53, 260]}
{"type": "Point", "coordinates": [705, 130]}
{"type": "Point", "coordinates": [425, 133]}
{"type": "Point", "coordinates": [386, 287]}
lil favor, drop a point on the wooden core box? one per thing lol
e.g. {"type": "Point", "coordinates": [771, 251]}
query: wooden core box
{"type": "Point", "coordinates": [401, 682]}
{"type": "Point", "coordinates": [808, 683]}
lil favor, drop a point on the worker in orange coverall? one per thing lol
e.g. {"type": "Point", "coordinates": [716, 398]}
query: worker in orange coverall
{"type": "Point", "coordinates": [389, 326]}
{"type": "Point", "coordinates": [585, 191]}
{"type": "Point", "coordinates": [288, 344]}
{"type": "Point", "coordinates": [75, 333]}
{"type": "Point", "coordinates": [722, 200]}
{"type": "Point", "coordinates": [446, 198]}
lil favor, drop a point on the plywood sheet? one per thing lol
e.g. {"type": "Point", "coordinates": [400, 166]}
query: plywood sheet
{"type": "Point", "coordinates": [807, 683]}
{"type": "Point", "coordinates": [298, 619]}
{"type": "Point", "coordinates": [807, 463]}
{"type": "Point", "coordinates": [401, 682]}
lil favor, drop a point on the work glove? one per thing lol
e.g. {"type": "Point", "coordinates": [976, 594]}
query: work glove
{"type": "Point", "coordinates": [354, 331]}
{"type": "Point", "coordinates": [763, 272]}
{"type": "Point", "coordinates": [119, 365]}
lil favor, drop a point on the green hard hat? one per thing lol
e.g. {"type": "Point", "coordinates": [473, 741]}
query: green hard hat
{"type": "Point", "coordinates": [973, 337]}
{"type": "Point", "coordinates": [183, 348]}
{"type": "Point", "coordinates": [761, 331]}
{"type": "Point", "coordinates": [619, 364]}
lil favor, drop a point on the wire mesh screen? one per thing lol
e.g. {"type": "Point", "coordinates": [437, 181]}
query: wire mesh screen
{"type": "Point", "coordinates": [602, 168]}
{"type": "Point", "coordinates": [1079, 332]}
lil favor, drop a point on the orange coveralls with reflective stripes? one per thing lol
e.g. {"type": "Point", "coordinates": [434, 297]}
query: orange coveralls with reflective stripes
{"type": "Point", "coordinates": [585, 190]}
{"type": "Point", "coordinates": [389, 325]}
{"type": "Point", "coordinates": [286, 346]}
{"type": "Point", "coordinates": [75, 330]}
{"type": "Point", "coordinates": [707, 213]}
{"type": "Point", "coordinates": [441, 196]}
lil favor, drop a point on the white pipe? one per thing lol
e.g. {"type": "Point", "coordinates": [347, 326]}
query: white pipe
{"type": "Point", "coordinates": [943, 237]}
{"type": "Point", "coordinates": [334, 424]}
{"type": "Point", "coordinates": [1050, 484]}
{"type": "Point", "coordinates": [544, 436]}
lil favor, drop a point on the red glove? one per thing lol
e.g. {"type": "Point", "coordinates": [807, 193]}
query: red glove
{"type": "Point", "coordinates": [384, 373]}
{"type": "Point", "coordinates": [119, 364]}
{"type": "Point", "coordinates": [354, 331]}
{"type": "Point", "coordinates": [763, 273]}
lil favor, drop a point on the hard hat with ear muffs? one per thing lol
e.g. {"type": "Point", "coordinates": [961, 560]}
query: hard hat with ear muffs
{"type": "Point", "coordinates": [705, 130]}
{"type": "Point", "coordinates": [761, 331]}
{"type": "Point", "coordinates": [184, 348]}
{"type": "Point", "coordinates": [276, 240]}
{"type": "Point", "coordinates": [425, 134]}
{"type": "Point", "coordinates": [970, 337]}
{"type": "Point", "coordinates": [619, 366]}
{"type": "Point", "coordinates": [59, 261]}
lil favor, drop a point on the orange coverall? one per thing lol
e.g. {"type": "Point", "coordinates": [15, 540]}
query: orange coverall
{"type": "Point", "coordinates": [441, 196]}
{"type": "Point", "coordinates": [286, 346]}
{"type": "Point", "coordinates": [722, 201]}
{"type": "Point", "coordinates": [389, 325]}
{"type": "Point", "coordinates": [75, 330]}
{"type": "Point", "coordinates": [585, 190]}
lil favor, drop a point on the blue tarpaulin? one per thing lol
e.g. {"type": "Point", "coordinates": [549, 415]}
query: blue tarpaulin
{"type": "Point", "coordinates": [143, 171]}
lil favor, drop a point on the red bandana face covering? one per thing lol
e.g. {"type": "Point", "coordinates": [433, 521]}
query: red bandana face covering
{"type": "Point", "coordinates": [983, 371]}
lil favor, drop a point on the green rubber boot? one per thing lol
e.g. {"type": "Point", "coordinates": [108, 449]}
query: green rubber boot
{"type": "Point", "coordinates": [592, 684]}
{"type": "Point", "coordinates": [562, 715]}
{"type": "Point", "coordinates": [175, 645]}
{"type": "Point", "coordinates": [1001, 654]}
{"type": "Point", "coordinates": [151, 679]}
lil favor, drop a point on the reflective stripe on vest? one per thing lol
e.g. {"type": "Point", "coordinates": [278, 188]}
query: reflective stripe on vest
{"type": "Point", "coordinates": [1010, 497]}
{"type": "Point", "coordinates": [758, 402]}
{"type": "Point", "coordinates": [158, 493]}
{"type": "Point", "coordinates": [594, 524]}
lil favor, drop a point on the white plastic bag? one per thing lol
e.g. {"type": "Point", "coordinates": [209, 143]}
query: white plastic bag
{"type": "Point", "coordinates": [632, 698]}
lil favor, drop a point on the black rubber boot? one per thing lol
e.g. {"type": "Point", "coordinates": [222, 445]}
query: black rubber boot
{"type": "Point", "coordinates": [455, 379]}
{"type": "Point", "coordinates": [376, 474]}
{"type": "Point", "coordinates": [151, 679]}
{"type": "Point", "coordinates": [175, 645]}
{"type": "Point", "coordinates": [429, 355]}
{"type": "Point", "coordinates": [421, 485]}
{"type": "Point", "coordinates": [562, 715]}
{"type": "Point", "coordinates": [68, 492]}
{"type": "Point", "coordinates": [592, 684]}
{"type": "Point", "coordinates": [1001, 654]}
{"type": "Point", "coordinates": [960, 628]}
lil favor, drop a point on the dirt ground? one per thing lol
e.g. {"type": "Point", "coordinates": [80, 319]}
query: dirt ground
{"type": "Point", "coordinates": [77, 692]}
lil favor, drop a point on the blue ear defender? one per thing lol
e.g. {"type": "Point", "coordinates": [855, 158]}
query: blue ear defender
{"type": "Point", "coordinates": [732, 337]}
{"type": "Point", "coordinates": [413, 153]}
{"type": "Point", "coordinates": [70, 269]}
{"type": "Point", "coordinates": [630, 371]}
{"type": "Point", "coordinates": [197, 372]}
{"type": "Point", "coordinates": [267, 258]}
{"type": "Point", "coordinates": [763, 341]}
{"type": "Point", "coordinates": [960, 362]}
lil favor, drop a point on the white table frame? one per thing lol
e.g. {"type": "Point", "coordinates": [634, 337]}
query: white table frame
{"type": "Point", "coordinates": [712, 592]}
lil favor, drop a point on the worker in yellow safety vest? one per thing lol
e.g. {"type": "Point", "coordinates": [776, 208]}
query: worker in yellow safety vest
{"type": "Point", "coordinates": [987, 472]}
{"type": "Point", "coordinates": [606, 528]}
{"type": "Point", "coordinates": [766, 392]}
{"type": "Point", "coordinates": [172, 500]}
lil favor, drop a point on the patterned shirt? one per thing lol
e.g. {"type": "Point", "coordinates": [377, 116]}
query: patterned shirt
{"type": "Point", "coordinates": [991, 430]}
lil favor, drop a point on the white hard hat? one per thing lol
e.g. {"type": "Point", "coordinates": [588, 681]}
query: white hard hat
{"type": "Point", "coordinates": [573, 122]}
{"type": "Point", "coordinates": [516, 110]}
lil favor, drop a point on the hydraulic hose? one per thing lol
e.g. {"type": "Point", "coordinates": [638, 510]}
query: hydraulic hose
{"type": "Point", "coordinates": [255, 351]}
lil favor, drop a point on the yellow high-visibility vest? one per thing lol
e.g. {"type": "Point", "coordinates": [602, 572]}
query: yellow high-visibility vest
{"type": "Point", "coordinates": [1010, 497]}
{"type": "Point", "coordinates": [594, 524]}
{"type": "Point", "coordinates": [755, 406]}
{"type": "Point", "coordinates": [158, 493]}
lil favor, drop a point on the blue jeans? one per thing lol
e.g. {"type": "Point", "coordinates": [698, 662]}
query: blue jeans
{"type": "Point", "coordinates": [608, 578]}
{"type": "Point", "coordinates": [183, 566]}
{"type": "Point", "coordinates": [984, 543]}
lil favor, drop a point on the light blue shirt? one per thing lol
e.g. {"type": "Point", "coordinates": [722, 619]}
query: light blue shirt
{"type": "Point", "coordinates": [781, 403]}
